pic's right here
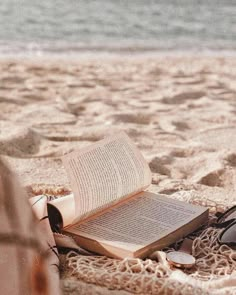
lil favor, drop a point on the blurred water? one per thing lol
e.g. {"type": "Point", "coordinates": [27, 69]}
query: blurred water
{"type": "Point", "coordinates": [67, 26]}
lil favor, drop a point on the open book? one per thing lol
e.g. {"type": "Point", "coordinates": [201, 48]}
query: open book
{"type": "Point", "coordinates": [110, 212]}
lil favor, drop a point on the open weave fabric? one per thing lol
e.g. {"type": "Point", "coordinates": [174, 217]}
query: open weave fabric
{"type": "Point", "coordinates": [215, 268]}
{"type": "Point", "coordinates": [214, 273]}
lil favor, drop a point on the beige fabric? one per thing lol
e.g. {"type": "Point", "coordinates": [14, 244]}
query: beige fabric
{"type": "Point", "coordinates": [27, 265]}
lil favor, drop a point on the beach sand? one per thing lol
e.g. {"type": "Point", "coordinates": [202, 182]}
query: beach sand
{"type": "Point", "coordinates": [180, 111]}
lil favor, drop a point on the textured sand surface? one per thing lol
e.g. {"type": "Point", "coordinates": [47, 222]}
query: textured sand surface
{"type": "Point", "coordinates": [181, 113]}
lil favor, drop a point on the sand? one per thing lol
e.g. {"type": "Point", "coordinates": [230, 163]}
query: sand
{"type": "Point", "coordinates": [180, 111]}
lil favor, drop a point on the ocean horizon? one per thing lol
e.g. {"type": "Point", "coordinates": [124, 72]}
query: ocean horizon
{"type": "Point", "coordinates": [105, 26]}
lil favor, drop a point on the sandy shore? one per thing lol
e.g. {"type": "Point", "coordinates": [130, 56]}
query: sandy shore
{"type": "Point", "coordinates": [181, 112]}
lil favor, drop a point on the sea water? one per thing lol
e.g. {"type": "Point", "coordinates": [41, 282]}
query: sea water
{"type": "Point", "coordinates": [71, 26]}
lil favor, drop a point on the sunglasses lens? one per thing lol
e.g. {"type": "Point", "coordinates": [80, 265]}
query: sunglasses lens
{"type": "Point", "coordinates": [229, 236]}
{"type": "Point", "coordinates": [231, 214]}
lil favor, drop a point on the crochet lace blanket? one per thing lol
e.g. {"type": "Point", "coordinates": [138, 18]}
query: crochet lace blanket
{"type": "Point", "coordinates": [214, 273]}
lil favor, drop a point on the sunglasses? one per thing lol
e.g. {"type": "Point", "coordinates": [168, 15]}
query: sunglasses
{"type": "Point", "coordinates": [227, 220]}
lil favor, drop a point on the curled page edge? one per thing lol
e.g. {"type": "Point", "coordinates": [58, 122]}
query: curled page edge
{"type": "Point", "coordinates": [66, 207]}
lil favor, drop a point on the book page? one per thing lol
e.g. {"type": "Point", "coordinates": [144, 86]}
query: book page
{"type": "Point", "coordinates": [139, 222]}
{"type": "Point", "coordinates": [104, 173]}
